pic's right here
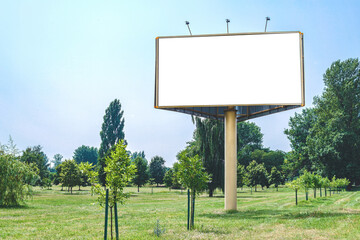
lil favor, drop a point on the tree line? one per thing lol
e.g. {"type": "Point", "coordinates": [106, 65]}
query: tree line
{"type": "Point", "coordinates": [325, 138]}
{"type": "Point", "coordinates": [314, 181]}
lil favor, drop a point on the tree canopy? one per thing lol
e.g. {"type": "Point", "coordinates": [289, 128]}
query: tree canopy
{"type": "Point", "coordinates": [325, 138]}
{"type": "Point", "coordinates": [157, 169]}
{"type": "Point", "coordinates": [86, 154]}
{"type": "Point", "coordinates": [35, 155]}
{"type": "Point", "coordinates": [209, 145]}
{"type": "Point", "coordinates": [142, 172]}
{"type": "Point", "coordinates": [15, 180]}
{"type": "Point", "coordinates": [112, 131]}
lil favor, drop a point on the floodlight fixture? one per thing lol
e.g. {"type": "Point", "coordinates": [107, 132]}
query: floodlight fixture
{"type": "Point", "coordinates": [267, 19]}
{"type": "Point", "coordinates": [227, 24]}
{"type": "Point", "coordinates": [187, 24]}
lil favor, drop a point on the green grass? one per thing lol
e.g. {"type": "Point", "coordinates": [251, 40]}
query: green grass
{"type": "Point", "coordinates": [55, 214]}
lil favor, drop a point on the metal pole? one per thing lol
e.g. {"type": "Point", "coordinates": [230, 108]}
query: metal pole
{"type": "Point", "coordinates": [188, 215]}
{"type": "Point", "coordinates": [106, 213]}
{"type": "Point", "coordinates": [296, 196]}
{"type": "Point", "coordinates": [193, 211]}
{"type": "Point", "coordinates": [116, 222]}
{"type": "Point", "coordinates": [230, 159]}
{"type": "Point", "coordinates": [267, 19]}
{"type": "Point", "coordinates": [227, 24]}
{"type": "Point", "coordinates": [187, 24]}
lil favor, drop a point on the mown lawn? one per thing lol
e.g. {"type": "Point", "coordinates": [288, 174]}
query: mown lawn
{"type": "Point", "coordinates": [55, 214]}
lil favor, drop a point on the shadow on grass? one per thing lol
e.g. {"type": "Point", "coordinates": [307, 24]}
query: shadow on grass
{"type": "Point", "coordinates": [279, 214]}
{"type": "Point", "coordinates": [247, 196]}
{"type": "Point", "coordinates": [15, 207]}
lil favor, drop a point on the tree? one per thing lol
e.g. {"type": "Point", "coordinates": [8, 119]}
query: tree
{"type": "Point", "coordinates": [70, 174]}
{"type": "Point", "coordinates": [263, 176]}
{"type": "Point", "coordinates": [296, 185]}
{"type": "Point", "coordinates": [299, 129]}
{"type": "Point", "coordinates": [142, 172]}
{"type": "Point", "coordinates": [86, 170]}
{"type": "Point", "coordinates": [10, 148]}
{"type": "Point", "coordinates": [306, 181]}
{"type": "Point", "coordinates": [241, 176]}
{"type": "Point", "coordinates": [275, 177]}
{"type": "Point", "coordinates": [334, 139]}
{"type": "Point", "coordinates": [157, 169]}
{"type": "Point", "coordinates": [119, 172]}
{"type": "Point", "coordinates": [268, 157]}
{"type": "Point", "coordinates": [35, 155]}
{"type": "Point", "coordinates": [209, 145]}
{"type": "Point", "coordinates": [134, 155]}
{"type": "Point", "coordinates": [15, 180]}
{"type": "Point", "coordinates": [112, 131]}
{"type": "Point", "coordinates": [325, 183]}
{"type": "Point", "coordinates": [175, 180]}
{"type": "Point", "coordinates": [86, 154]}
{"type": "Point", "coordinates": [192, 175]}
{"type": "Point", "coordinates": [57, 160]}
{"type": "Point", "coordinates": [168, 178]}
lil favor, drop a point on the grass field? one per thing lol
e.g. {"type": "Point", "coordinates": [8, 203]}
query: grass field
{"type": "Point", "coordinates": [55, 214]}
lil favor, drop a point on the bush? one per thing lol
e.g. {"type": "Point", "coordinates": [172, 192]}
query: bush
{"type": "Point", "coordinates": [15, 180]}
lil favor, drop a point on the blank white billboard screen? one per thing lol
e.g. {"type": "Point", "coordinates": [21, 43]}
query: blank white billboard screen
{"type": "Point", "coordinates": [223, 70]}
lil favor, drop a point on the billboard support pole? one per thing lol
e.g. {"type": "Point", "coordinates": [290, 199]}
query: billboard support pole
{"type": "Point", "coordinates": [230, 159]}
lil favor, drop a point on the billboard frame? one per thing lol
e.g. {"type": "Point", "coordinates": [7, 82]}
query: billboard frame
{"type": "Point", "coordinates": [217, 111]}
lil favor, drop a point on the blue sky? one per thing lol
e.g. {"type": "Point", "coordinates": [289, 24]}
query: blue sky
{"type": "Point", "coordinates": [63, 62]}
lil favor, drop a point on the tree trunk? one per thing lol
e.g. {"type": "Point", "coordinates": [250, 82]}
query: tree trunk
{"type": "Point", "coordinates": [314, 192]}
{"type": "Point", "coordinates": [62, 186]}
{"type": "Point", "coordinates": [320, 193]}
{"type": "Point", "coordinates": [211, 192]}
{"type": "Point", "coordinates": [251, 190]}
{"type": "Point", "coordinates": [138, 188]}
{"type": "Point", "coordinates": [296, 196]}
{"type": "Point", "coordinates": [306, 195]}
{"type": "Point", "coordinates": [325, 191]}
{"type": "Point", "coordinates": [79, 188]}
{"type": "Point", "coordinates": [71, 190]}
{"type": "Point", "coordinates": [111, 232]}
{"type": "Point", "coordinates": [255, 188]}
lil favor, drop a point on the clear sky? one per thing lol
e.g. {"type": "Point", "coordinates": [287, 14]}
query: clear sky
{"type": "Point", "coordinates": [63, 62]}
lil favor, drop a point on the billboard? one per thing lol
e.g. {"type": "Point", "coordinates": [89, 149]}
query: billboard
{"type": "Point", "coordinates": [254, 72]}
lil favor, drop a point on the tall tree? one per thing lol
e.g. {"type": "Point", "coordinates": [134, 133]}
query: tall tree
{"type": "Point", "coordinates": [334, 139]}
{"type": "Point", "coordinates": [209, 145]}
{"type": "Point", "coordinates": [141, 154]}
{"type": "Point", "coordinates": [112, 131]}
{"type": "Point", "coordinates": [35, 155]}
{"type": "Point", "coordinates": [157, 169]}
{"type": "Point", "coordinates": [57, 160]}
{"type": "Point", "coordinates": [142, 172]}
{"type": "Point", "coordinates": [299, 129]}
{"type": "Point", "coordinates": [86, 154]}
